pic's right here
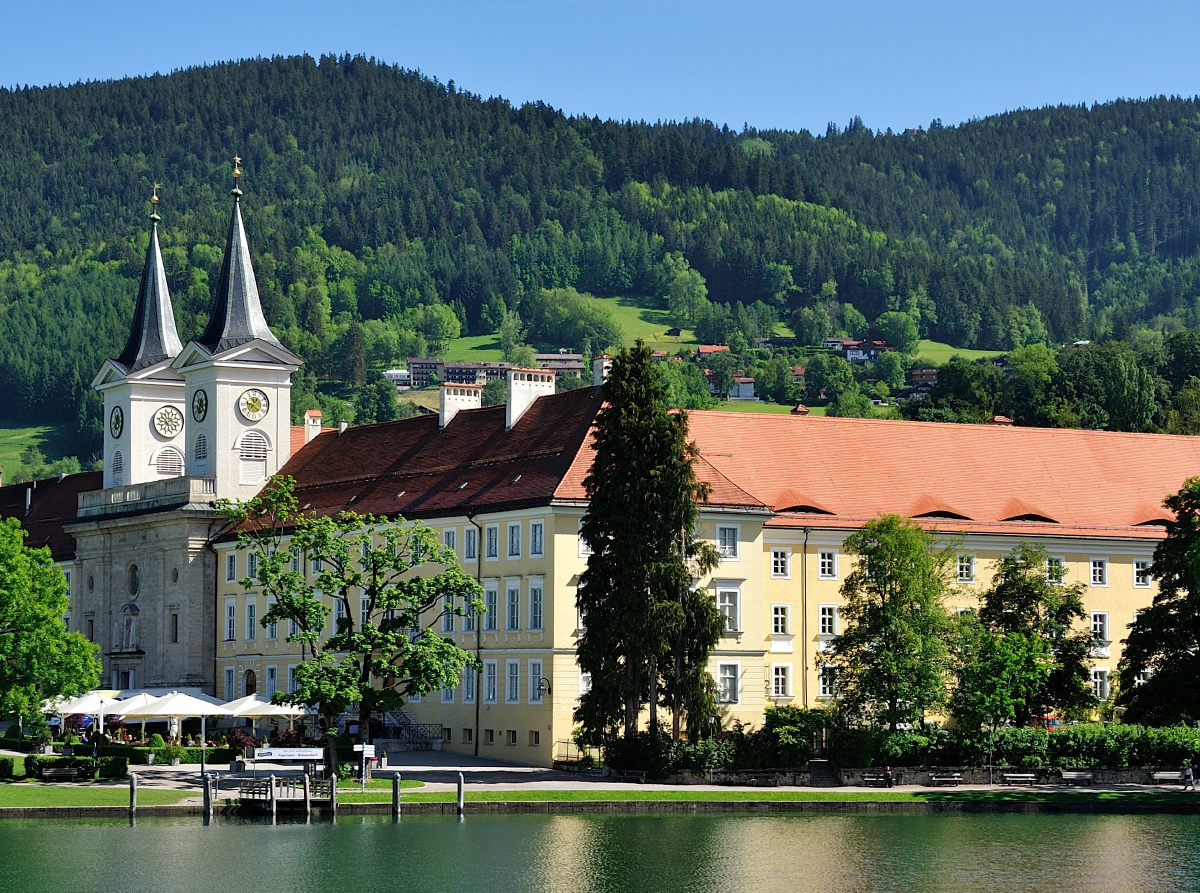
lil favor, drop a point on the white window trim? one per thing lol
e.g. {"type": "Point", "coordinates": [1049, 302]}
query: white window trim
{"type": "Point", "coordinates": [730, 663]}
{"type": "Point", "coordinates": [1062, 561]}
{"type": "Point", "coordinates": [537, 522]}
{"type": "Point", "coordinates": [512, 693]}
{"type": "Point", "coordinates": [1103, 673]}
{"type": "Point", "coordinates": [737, 541]}
{"type": "Point", "coordinates": [1149, 580]}
{"type": "Point", "coordinates": [1100, 645]}
{"type": "Point", "coordinates": [484, 544]}
{"type": "Point", "coordinates": [837, 620]}
{"type": "Point", "coordinates": [821, 676]}
{"type": "Point", "coordinates": [535, 696]}
{"type": "Point", "coordinates": [491, 618]}
{"type": "Point", "coordinates": [231, 566]}
{"type": "Point", "coordinates": [782, 642]}
{"type": "Point", "coordinates": [453, 531]}
{"type": "Point", "coordinates": [470, 554]}
{"type": "Point", "coordinates": [251, 620]}
{"type": "Point", "coordinates": [512, 584]}
{"type": "Point", "coordinates": [230, 603]}
{"type": "Point", "coordinates": [970, 557]}
{"type": "Point", "coordinates": [585, 550]}
{"type": "Point", "coordinates": [537, 583]}
{"type": "Point", "coordinates": [508, 540]}
{"type": "Point", "coordinates": [1091, 571]}
{"type": "Point", "coordinates": [787, 695]}
{"type": "Point", "coordinates": [824, 576]}
{"type": "Point", "coordinates": [494, 698]}
{"type": "Point", "coordinates": [736, 588]}
{"type": "Point", "coordinates": [787, 553]}
{"type": "Point", "coordinates": [468, 697]}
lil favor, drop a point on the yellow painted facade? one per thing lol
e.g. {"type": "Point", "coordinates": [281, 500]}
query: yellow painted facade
{"type": "Point", "coordinates": [778, 585]}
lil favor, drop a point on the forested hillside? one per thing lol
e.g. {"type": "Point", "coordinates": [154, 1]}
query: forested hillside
{"type": "Point", "coordinates": [390, 213]}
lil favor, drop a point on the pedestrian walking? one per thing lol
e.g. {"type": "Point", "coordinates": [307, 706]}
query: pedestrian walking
{"type": "Point", "coordinates": [1189, 778]}
{"type": "Point", "coordinates": [887, 776]}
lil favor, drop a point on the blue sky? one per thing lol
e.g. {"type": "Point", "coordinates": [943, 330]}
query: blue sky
{"type": "Point", "coordinates": [772, 64]}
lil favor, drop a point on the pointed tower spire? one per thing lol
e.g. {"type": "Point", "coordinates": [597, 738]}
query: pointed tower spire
{"type": "Point", "coordinates": [237, 315]}
{"type": "Point", "coordinates": [153, 337]}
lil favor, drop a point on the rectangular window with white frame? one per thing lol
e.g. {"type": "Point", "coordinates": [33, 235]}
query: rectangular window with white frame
{"type": "Point", "coordinates": [491, 601]}
{"type": "Point", "coordinates": [513, 605]}
{"type": "Point", "coordinates": [512, 690]}
{"type": "Point", "coordinates": [1056, 570]}
{"type": "Point", "coordinates": [728, 679]}
{"type": "Point", "coordinates": [468, 685]}
{"type": "Point", "coordinates": [585, 683]}
{"type": "Point", "coordinates": [827, 564]}
{"type": "Point", "coordinates": [230, 621]}
{"type": "Point", "coordinates": [318, 565]}
{"type": "Point", "coordinates": [489, 681]}
{"type": "Point", "coordinates": [537, 538]}
{"type": "Point", "coordinates": [468, 616]}
{"type": "Point", "coordinates": [231, 567]}
{"type": "Point", "coordinates": [1099, 576]}
{"type": "Point", "coordinates": [470, 544]}
{"type": "Point", "coordinates": [230, 684]}
{"type": "Point", "coordinates": [781, 681]}
{"type": "Point", "coordinates": [450, 538]}
{"type": "Point", "coordinates": [514, 540]}
{"type": "Point", "coordinates": [584, 549]}
{"type": "Point", "coordinates": [827, 620]}
{"type": "Point", "coordinates": [966, 569]}
{"type": "Point", "coordinates": [251, 620]}
{"type": "Point", "coordinates": [1141, 573]}
{"type": "Point", "coordinates": [729, 604]}
{"type": "Point", "coordinates": [272, 682]}
{"type": "Point", "coordinates": [291, 682]}
{"type": "Point", "coordinates": [1100, 636]}
{"type": "Point", "coordinates": [447, 695]}
{"type": "Point", "coordinates": [448, 613]}
{"type": "Point", "coordinates": [727, 541]}
{"type": "Point", "coordinates": [364, 612]}
{"type": "Point", "coordinates": [1100, 683]}
{"type": "Point", "coordinates": [272, 627]}
{"type": "Point", "coordinates": [827, 686]}
{"type": "Point", "coordinates": [535, 604]}
{"type": "Point", "coordinates": [252, 566]}
{"type": "Point", "coordinates": [781, 623]}
{"type": "Point", "coordinates": [491, 541]}
{"type": "Point", "coordinates": [535, 682]}
{"type": "Point", "coordinates": [781, 564]}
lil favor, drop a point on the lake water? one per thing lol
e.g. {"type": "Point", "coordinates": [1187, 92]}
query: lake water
{"type": "Point", "coordinates": [599, 854]}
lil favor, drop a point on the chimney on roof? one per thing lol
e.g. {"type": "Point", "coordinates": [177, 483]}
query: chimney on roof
{"type": "Point", "coordinates": [524, 387]}
{"type": "Point", "coordinates": [312, 424]}
{"type": "Point", "coordinates": [601, 366]}
{"type": "Point", "coordinates": [342, 426]}
{"type": "Point", "coordinates": [457, 397]}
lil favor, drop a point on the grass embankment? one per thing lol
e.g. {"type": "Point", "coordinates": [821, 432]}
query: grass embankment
{"type": "Point", "coordinates": [939, 796]}
{"type": "Point", "coordinates": [38, 794]}
{"type": "Point", "coordinates": [939, 353]}
{"type": "Point", "coordinates": [16, 438]}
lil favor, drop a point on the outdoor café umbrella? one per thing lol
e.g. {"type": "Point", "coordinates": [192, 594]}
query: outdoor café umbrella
{"type": "Point", "coordinates": [254, 707]}
{"type": "Point", "coordinates": [130, 704]}
{"type": "Point", "coordinates": [93, 703]}
{"type": "Point", "coordinates": [179, 706]}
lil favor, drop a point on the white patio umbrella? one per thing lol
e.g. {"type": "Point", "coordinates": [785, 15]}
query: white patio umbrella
{"type": "Point", "coordinates": [93, 703]}
{"type": "Point", "coordinates": [179, 706]}
{"type": "Point", "coordinates": [254, 707]}
{"type": "Point", "coordinates": [130, 704]}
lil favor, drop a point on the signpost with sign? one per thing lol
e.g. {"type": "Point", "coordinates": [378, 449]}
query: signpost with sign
{"type": "Point", "coordinates": [368, 752]}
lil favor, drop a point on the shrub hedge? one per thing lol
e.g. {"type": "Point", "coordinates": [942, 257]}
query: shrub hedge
{"type": "Point", "coordinates": [7, 768]}
{"type": "Point", "coordinates": [110, 767]}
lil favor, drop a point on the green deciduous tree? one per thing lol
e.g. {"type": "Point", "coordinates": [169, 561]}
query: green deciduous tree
{"type": "Point", "coordinates": [39, 659]}
{"type": "Point", "coordinates": [389, 581]}
{"type": "Point", "coordinates": [899, 330]}
{"type": "Point", "coordinates": [996, 674]}
{"type": "Point", "coordinates": [1161, 661]}
{"type": "Point", "coordinates": [891, 658]}
{"type": "Point", "coordinates": [1184, 414]}
{"type": "Point", "coordinates": [1028, 598]}
{"type": "Point", "coordinates": [648, 632]}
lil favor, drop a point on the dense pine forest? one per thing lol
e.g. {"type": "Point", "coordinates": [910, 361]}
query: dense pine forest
{"type": "Point", "coordinates": [390, 213]}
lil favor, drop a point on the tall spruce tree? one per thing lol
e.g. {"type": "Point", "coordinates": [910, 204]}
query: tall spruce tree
{"type": "Point", "coordinates": [648, 630]}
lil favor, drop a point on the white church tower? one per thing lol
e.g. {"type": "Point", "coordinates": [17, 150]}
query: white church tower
{"type": "Point", "coordinates": [237, 381]}
{"type": "Point", "coordinates": [144, 421]}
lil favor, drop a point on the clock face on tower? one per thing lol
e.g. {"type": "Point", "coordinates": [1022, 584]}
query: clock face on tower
{"type": "Point", "coordinates": [168, 421]}
{"type": "Point", "coordinates": [116, 422]}
{"type": "Point", "coordinates": [253, 404]}
{"type": "Point", "coordinates": [199, 405]}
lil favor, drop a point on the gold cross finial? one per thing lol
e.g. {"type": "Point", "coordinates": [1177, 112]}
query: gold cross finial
{"type": "Point", "coordinates": [237, 171]}
{"type": "Point", "coordinates": [154, 198]}
{"type": "Point", "coordinates": [154, 218]}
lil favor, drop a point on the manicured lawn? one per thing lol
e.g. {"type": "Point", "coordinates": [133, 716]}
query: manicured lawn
{"type": "Point", "coordinates": [38, 794]}
{"type": "Point", "coordinates": [474, 349]}
{"type": "Point", "coordinates": [542, 796]}
{"type": "Point", "coordinates": [939, 353]}
{"type": "Point", "coordinates": [639, 318]}
{"type": "Point", "coordinates": [378, 784]}
{"type": "Point", "coordinates": [745, 406]}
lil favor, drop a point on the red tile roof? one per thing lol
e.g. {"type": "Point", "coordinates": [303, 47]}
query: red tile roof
{"type": "Point", "coordinates": [997, 478]}
{"type": "Point", "coordinates": [53, 502]}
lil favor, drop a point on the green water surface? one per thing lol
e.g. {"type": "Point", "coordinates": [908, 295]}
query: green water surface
{"type": "Point", "coordinates": [591, 854]}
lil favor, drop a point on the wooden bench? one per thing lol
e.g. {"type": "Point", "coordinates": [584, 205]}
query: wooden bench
{"type": "Point", "coordinates": [954, 778]}
{"type": "Point", "coordinates": [59, 773]}
{"type": "Point", "coordinates": [763, 779]}
{"type": "Point", "coordinates": [639, 777]}
{"type": "Point", "coordinates": [1028, 778]}
{"type": "Point", "coordinates": [878, 779]}
{"type": "Point", "coordinates": [1073, 776]}
{"type": "Point", "coordinates": [1167, 777]}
